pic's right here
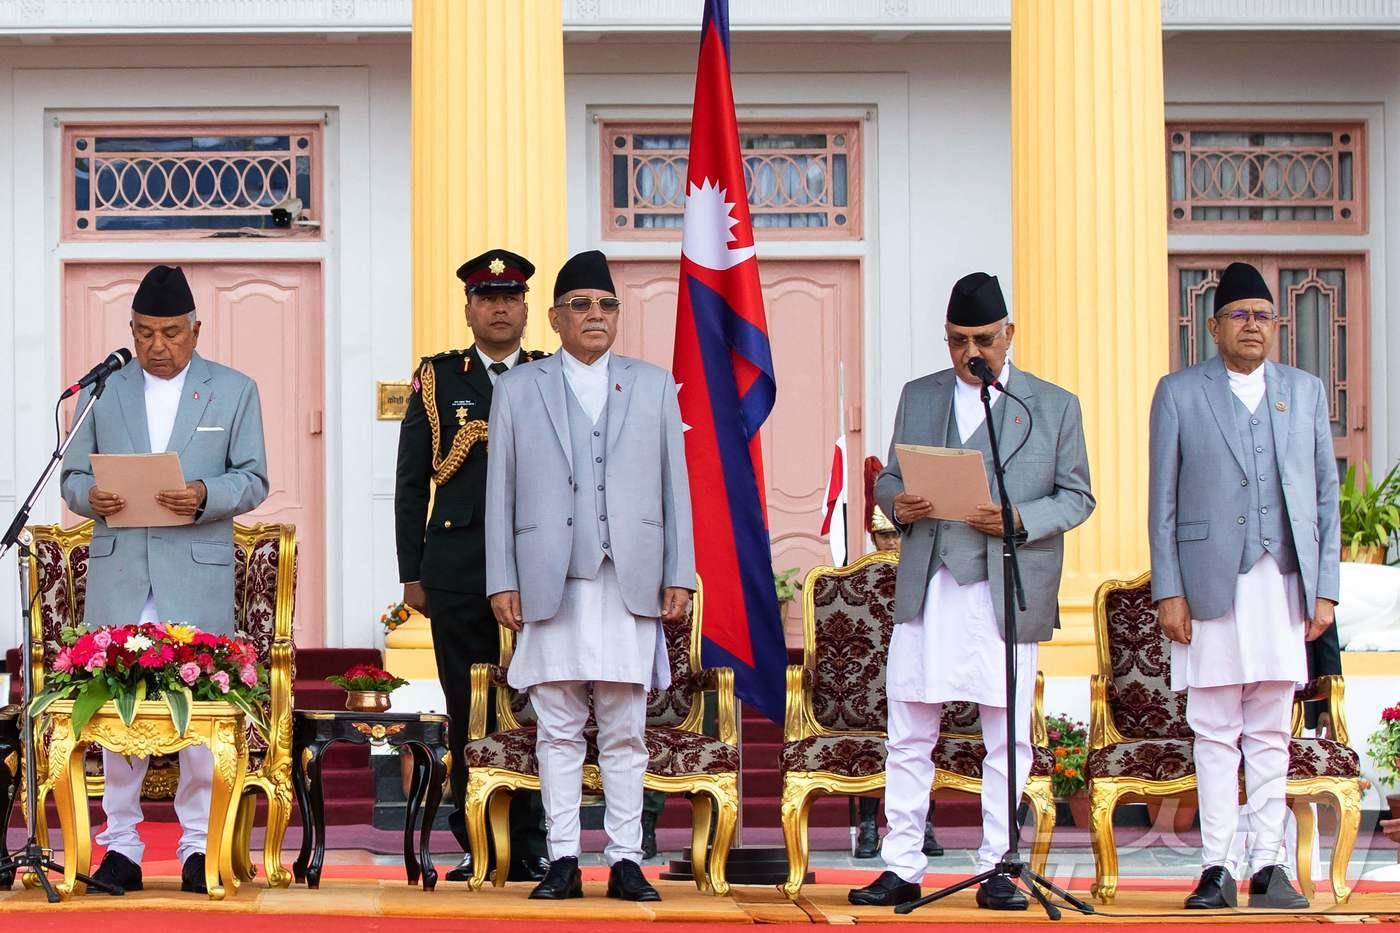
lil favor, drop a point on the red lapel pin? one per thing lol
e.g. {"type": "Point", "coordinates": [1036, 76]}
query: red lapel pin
{"type": "Point", "coordinates": [617, 386]}
{"type": "Point", "coordinates": [196, 396]}
{"type": "Point", "coordinates": [1018, 419]}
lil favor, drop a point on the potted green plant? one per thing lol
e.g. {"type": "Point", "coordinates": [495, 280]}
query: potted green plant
{"type": "Point", "coordinates": [1384, 747]}
{"type": "Point", "coordinates": [787, 588]}
{"type": "Point", "coordinates": [1370, 515]}
{"type": "Point", "coordinates": [1069, 741]}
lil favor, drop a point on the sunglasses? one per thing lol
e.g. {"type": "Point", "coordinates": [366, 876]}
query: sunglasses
{"type": "Point", "coordinates": [985, 341]}
{"type": "Point", "coordinates": [582, 305]}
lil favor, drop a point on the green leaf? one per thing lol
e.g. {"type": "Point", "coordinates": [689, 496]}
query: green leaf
{"type": "Point", "coordinates": [127, 700]}
{"type": "Point", "coordinates": [178, 700]}
{"type": "Point", "coordinates": [253, 713]}
{"type": "Point", "coordinates": [43, 700]}
{"type": "Point", "coordinates": [90, 699]}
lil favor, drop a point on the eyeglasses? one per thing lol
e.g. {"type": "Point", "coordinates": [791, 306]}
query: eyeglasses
{"type": "Point", "coordinates": [1243, 315]}
{"type": "Point", "coordinates": [582, 305]}
{"type": "Point", "coordinates": [985, 341]}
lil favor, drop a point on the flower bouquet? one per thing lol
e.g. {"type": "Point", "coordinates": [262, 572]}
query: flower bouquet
{"type": "Point", "coordinates": [1384, 746]}
{"type": "Point", "coordinates": [129, 664]}
{"type": "Point", "coordinates": [367, 687]}
{"type": "Point", "coordinates": [397, 614]}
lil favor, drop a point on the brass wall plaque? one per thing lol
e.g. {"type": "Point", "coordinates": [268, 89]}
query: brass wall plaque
{"type": "Point", "coordinates": [393, 400]}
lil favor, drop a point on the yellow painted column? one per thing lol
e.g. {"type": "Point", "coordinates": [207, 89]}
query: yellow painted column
{"type": "Point", "coordinates": [488, 154]}
{"type": "Point", "coordinates": [1089, 260]}
{"type": "Point", "coordinates": [488, 171]}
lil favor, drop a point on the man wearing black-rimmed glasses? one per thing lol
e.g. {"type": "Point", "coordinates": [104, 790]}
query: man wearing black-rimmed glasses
{"type": "Point", "coordinates": [949, 637]}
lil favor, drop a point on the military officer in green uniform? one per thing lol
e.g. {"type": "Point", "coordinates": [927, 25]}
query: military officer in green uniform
{"type": "Point", "coordinates": [442, 554]}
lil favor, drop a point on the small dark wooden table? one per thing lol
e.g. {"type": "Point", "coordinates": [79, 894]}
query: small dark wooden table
{"type": "Point", "coordinates": [9, 780]}
{"type": "Point", "coordinates": [424, 734]}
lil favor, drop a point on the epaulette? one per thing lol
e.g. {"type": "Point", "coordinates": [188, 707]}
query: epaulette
{"type": "Point", "coordinates": [533, 355]}
{"type": "Point", "coordinates": [426, 363]}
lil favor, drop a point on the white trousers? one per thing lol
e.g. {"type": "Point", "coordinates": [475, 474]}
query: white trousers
{"type": "Point", "coordinates": [1250, 720]}
{"type": "Point", "coordinates": [121, 801]}
{"type": "Point", "coordinates": [620, 710]}
{"type": "Point", "coordinates": [913, 733]}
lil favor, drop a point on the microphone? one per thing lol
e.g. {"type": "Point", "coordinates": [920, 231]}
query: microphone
{"type": "Point", "coordinates": [979, 368]}
{"type": "Point", "coordinates": [114, 361]}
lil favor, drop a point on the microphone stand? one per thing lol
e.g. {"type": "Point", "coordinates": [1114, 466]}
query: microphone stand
{"type": "Point", "coordinates": [34, 859]}
{"type": "Point", "coordinates": [1011, 865]}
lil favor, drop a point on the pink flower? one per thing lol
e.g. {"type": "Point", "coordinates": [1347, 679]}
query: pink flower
{"type": "Point", "coordinates": [97, 661]}
{"type": "Point", "coordinates": [249, 676]}
{"type": "Point", "coordinates": [102, 640]}
{"type": "Point", "coordinates": [63, 664]}
{"type": "Point", "coordinates": [189, 672]}
{"type": "Point", "coordinates": [220, 679]}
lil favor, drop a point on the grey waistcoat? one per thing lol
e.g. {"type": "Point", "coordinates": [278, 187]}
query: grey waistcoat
{"type": "Point", "coordinates": [1266, 516]}
{"type": "Point", "coordinates": [589, 441]}
{"type": "Point", "coordinates": [957, 545]}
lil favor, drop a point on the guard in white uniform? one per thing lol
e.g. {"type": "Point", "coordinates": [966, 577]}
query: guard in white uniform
{"type": "Point", "coordinates": [1245, 548]}
{"type": "Point", "coordinates": [949, 641]}
{"type": "Point", "coordinates": [584, 575]}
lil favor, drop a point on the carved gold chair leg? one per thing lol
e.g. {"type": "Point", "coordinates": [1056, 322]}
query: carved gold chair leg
{"type": "Point", "coordinates": [1103, 799]}
{"type": "Point", "coordinates": [1042, 800]}
{"type": "Point", "coordinates": [796, 807]}
{"type": "Point", "coordinates": [479, 790]}
{"type": "Point", "coordinates": [1306, 822]}
{"type": "Point", "coordinates": [242, 841]}
{"type": "Point", "coordinates": [500, 835]}
{"type": "Point", "coordinates": [279, 815]}
{"type": "Point", "coordinates": [727, 821]}
{"type": "Point", "coordinates": [701, 807]}
{"type": "Point", "coordinates": [1347, 805]}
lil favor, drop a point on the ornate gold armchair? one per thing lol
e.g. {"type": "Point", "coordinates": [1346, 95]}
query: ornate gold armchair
{"type": "Point", "coordinates": [264, 596]}
{"type": "Point", "coordinates": [1140, 745]}
{"type": "Point", "coordinates": [682, 759]}
{"type": "Point", "coordinates": [834, 736]}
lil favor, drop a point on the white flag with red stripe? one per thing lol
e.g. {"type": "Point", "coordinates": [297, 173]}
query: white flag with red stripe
{"type": "Point", "coordinates": [834, 522]}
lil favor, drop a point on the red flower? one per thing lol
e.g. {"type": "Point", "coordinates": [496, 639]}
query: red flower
{"type": "Point", "coordinates": [205, 640]}
{"type": "Point", "coordinates": [152, 657]}
{"type": "Point", "coordinates": [1391, 713]}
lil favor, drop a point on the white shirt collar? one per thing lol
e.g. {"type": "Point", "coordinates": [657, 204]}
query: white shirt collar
{"type": "Point", "coordinates": [598, 369]}
{"type": "Point", "coordinates": [967, 403]}
{"type": "Point", "coordinates": [174, 384]}
{"type": "Point", "coordinates": [1249, 387]}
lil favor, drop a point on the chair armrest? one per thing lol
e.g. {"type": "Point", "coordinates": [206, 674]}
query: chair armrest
{"type": "Point", "coordinates": [1038, 734]}
{"type": "Point", "coordinates": [1331, 689]}
{"type": "Point", "coordinates": [721, 681]}
{"type": "Point", "coordinates": [799, 682]}
{"type": "Point", "coordinates": [1102, 731]}
{"type": "Point", "coordinates": [484, 679]}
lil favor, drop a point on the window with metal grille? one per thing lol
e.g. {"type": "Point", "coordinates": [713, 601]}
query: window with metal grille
{"type": "Point", "coordinates": [1257, 178]}
{"type": "Point", "coordinates": [188, 181]}
{"type": "Point", "coordinates": [802, 179]}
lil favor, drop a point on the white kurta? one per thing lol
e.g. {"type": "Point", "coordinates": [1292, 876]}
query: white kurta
{"type": "Point", "coordinates": [593, 636]}
{"type": "Point", "coordinates": [1262, 637]}
{"type": "Point", "coordinates": [963, 627]}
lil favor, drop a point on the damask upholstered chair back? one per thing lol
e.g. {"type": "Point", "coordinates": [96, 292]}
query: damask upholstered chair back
{"type": "Point", "coordinates": [848, 625]}
{"type": "Point", "coordinates": [1135, 659]}
{"type": "Point", "coordinates": [264, 603]}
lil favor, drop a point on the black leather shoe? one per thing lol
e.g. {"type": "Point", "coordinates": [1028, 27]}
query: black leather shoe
{"type": "Point", "coordinates": [867, 839]}
{"type": "Point", "coordinates": [1215, 890]}
{"type": "Point", "coordinates": [529, 868]}
{"type": "Point", "coordinates": [118, 872]}
{"type": "Point", "coordinates": [463, 871]}
{"type": "Point", "coordinates": [563, 880]}
{"type": "Point", "coordinates": [931, 847]}
{"type": "Point", "coordinates": [192, 875]}
{"type": "Point", "coordinates": [998, 893]}
{"type": "Point", "coordinates": [888, 890]}
{"type": "Point", "coordinates": [648, 834]}
{"type": "Point", "coordinates": [1270, 887]}
{"type": "Point", "coordinates": [626, 881]}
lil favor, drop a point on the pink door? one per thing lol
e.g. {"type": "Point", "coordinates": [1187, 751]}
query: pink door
{"type": "Point", "coordinates": [814, 324]}
{"type": "Point", "coordinates": [264, 319]}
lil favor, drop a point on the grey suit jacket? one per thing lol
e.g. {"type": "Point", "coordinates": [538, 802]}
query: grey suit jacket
{"type": "Point", "coordinates": [1196, 476]}
{"type": "Point", "coordinates": [529, 487]}
{"type": "Point", "coordinates": [219, 438]}
{"type": "Point", "coordinates": [1048, 482]}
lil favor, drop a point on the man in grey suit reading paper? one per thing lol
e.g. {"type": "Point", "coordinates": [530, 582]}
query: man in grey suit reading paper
{"type": "Point", "coordinates": [588, 548]}
{"type": "Point", "coordinates": [949, 641]}
{"type": "Point", "coordinates": [170, 399]}
{"type": "Point", "coordinates": [1245, 535]}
